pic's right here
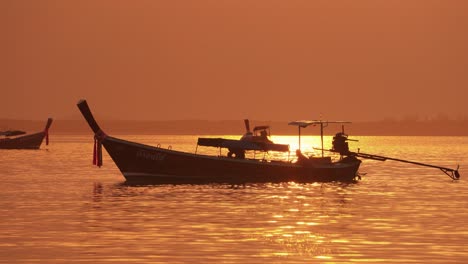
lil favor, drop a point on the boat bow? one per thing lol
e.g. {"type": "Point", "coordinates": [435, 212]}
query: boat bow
{"type": "Point", "coordinates": [99, 135]}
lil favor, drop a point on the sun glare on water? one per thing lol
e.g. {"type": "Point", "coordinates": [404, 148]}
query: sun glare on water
{"type": "Point", "coordinates": [308, 143]}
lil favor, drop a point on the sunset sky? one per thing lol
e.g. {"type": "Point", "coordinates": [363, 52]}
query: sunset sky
{"type": "Point", "coordinates": [228, 60]}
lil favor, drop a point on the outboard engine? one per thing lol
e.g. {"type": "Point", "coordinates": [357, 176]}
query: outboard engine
{"type": "Point", "coordinates": [339, 143]}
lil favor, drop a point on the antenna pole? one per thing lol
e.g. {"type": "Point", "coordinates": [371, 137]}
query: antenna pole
{"type": "Point", "coordinates": [299, 127]}
{"type": "Point", "coordinates": [321, 136]}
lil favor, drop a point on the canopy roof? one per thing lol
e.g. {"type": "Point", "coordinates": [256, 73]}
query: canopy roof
{"type": "Point", "coordinates": [242, 144]}
{"type": "Point", "coordinates": [306, 123]}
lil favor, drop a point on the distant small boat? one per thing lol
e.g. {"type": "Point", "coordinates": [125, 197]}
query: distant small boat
{"type": "Point", "coordinates": [13, 140]}
{"type": "Point", "coordinates": [147, 164]}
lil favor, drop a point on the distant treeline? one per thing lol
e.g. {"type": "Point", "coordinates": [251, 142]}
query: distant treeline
{"type": "Point", "coordinates": [236, 127]}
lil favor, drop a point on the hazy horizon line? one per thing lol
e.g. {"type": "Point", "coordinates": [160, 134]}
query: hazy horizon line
{"type": "Point", "coordinates": [237, 127]}
{"type": "Point", "coordinates": [448, 119]}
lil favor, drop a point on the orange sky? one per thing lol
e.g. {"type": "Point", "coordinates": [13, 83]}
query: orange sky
{"type": "Point", "coordinates": [264, 60]}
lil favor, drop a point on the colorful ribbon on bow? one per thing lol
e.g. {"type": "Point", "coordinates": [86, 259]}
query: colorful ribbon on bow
{"type": "Point", "coordinates": [97, 153]}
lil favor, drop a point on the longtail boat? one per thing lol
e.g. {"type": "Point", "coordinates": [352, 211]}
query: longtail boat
{"type": "Point", "coordinates": [148, 164]}
{"type": "Point", "coordinates": [16, 139]}
{"type": "Point", "coordinates": [154, 165]}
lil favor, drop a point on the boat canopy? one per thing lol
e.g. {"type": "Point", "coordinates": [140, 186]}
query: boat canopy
{"type": "Point", "coordinates": [242, 144]}
{"type": "Point", "coordinates": [306, 123]}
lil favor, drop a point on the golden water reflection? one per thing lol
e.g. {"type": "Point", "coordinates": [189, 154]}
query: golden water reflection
{"type": "Point", "coordinates": [84, 214]}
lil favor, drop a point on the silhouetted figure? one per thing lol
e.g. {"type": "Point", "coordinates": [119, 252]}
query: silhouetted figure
{"type": "Point", "coordinates": [236, 153]}
{"type": "Point", "coordinates": [301, 158]}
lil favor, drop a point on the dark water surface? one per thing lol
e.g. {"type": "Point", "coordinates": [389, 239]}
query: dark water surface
{"type": "Point", "coordinates": [56, 207]}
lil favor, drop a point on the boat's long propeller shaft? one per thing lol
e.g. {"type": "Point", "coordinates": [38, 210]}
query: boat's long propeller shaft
{"type": "Point", "coordinates": [452, 173]}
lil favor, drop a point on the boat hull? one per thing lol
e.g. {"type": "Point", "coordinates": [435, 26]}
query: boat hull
{"type": "Point", "coordinates": [32, 141]}
{"type": "Point", "coordinates": [147, 164]}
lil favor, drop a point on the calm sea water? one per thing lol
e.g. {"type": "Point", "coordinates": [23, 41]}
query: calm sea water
{"type": "Point", "coordinates": [56, 207]}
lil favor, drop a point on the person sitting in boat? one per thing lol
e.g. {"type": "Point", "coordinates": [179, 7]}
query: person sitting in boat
{"type": "Point", "coordinates": [311, 160]}
{"type": "Point", "coordinates": [301, 158]}
{"type": "Point", "coordinates": [236, 153]}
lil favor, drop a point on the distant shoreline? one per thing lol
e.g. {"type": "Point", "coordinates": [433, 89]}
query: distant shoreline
{"type": "Point", "coordinates": [236, 127]}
